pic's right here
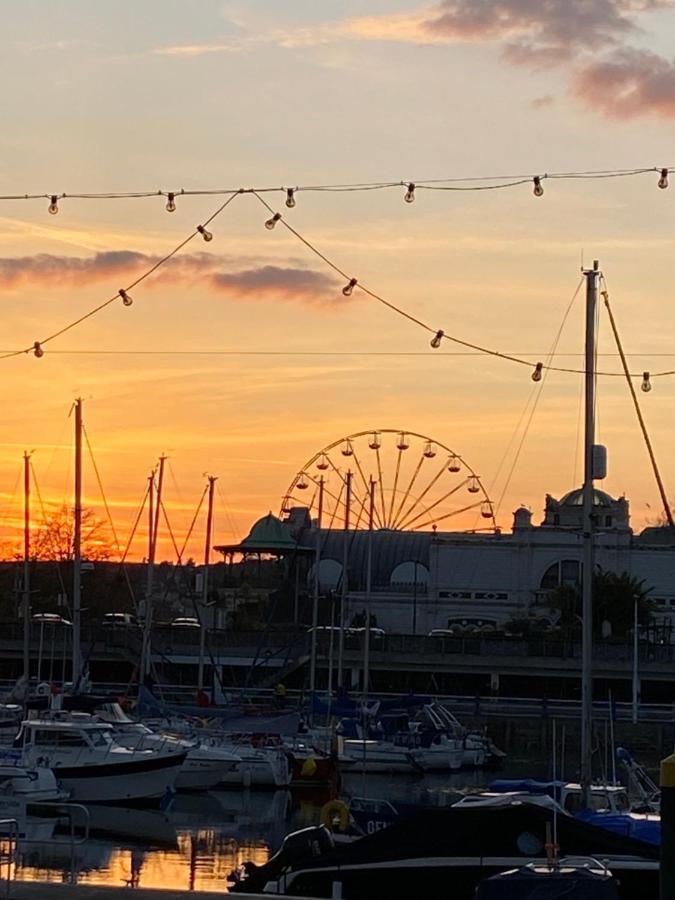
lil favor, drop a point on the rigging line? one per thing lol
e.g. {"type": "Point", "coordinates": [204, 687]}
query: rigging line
{"type": "Point", "coordinates": [638, 412]}
{"type": "Point", "coordinates": [194, 520]}
{"type": "Point", "coordinates": [109, 514]}
{"type": "Point", "coordinates": [100, 486]}
{"type": "Point", "coordinates": [135, 526]}
{"type": "Point", "coordinates": [57, 563]}
{"type": "Point", "coordinates": [537, 398]}
{"type": "Point", "coordinates": [142, 277]}
{"type": "Point", "coordinates": [455, 512]}
{"type": "Point", "coordinates": [226, 510]}
{"type": "Point", "coordinates": [171, 534]}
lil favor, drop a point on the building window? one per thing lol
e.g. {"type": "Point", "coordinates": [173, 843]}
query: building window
{"type": "Point", "coordinates": [608, 521]}
{"type": "Point", "coordinates": [565, 571]}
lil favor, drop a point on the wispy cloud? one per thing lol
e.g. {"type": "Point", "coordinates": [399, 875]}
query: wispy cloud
{"type": "Point", "coordinates": [588, 39]}
{"type": "Point", "coordinates": [628, 84]}
{"type": "Point", "coordinates": [215, 273]}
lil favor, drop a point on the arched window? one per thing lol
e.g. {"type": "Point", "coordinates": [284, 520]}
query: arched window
{"type": "Point", "coordinates": [565, 571]}
{"type": "Point", "coordinates": [330, 575]}
{"type": "Point", "coordinates": [410, 576]}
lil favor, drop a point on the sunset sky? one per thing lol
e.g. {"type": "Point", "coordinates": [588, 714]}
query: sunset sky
{"type": "Point", "coordinates": [162, 95]}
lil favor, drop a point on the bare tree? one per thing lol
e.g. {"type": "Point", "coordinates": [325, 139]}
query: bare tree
{"type": "Point", "coordinates": [53, 540]}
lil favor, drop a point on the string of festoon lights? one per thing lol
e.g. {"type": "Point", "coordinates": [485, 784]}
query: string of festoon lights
{"type": "Point", "coordinates": [411, 187]}
{"type": "Point", "coordinates": [438, 335]}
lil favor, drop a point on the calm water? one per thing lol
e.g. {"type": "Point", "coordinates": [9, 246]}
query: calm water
{"type": "Point", "coordinates": [201, 838]}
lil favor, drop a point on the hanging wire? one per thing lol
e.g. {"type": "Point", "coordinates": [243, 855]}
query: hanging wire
{"type": "Point", "coordinates": [37, 346]}
{"type": "Point", "coordinates": [537, 398]}
{"type": "Point", "coordinates": [505, 181]}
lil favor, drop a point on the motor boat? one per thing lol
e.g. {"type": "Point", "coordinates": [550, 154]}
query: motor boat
{"type": "Point", "coordinates": [446, 849]}
{"type": "Point", "coordinates": [204, 768]}
{"type": "Point", "coordinates": [572, 878]}
{"type": "Point", "coordinates": [609, 805]}
{"type": "Point", "coordinates": [91, 765]}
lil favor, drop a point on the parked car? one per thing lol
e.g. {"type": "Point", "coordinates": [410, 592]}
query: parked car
{"type": "Point", "coordinates": [48, 618]}
{"type": "Point", "coordinates": [185, 622]}
{"type": "Point", "coordinates": [119, 619]}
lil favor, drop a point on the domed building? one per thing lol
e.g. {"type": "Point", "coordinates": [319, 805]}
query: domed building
{"type": "Point", "coordinates": [424, 580]}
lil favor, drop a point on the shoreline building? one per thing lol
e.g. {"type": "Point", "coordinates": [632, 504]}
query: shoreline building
{"type": "Point", "coordinates": [425, 580]}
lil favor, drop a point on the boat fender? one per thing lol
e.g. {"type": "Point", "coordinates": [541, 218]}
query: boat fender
{"type": "Point", "coordinates": [332, 810]}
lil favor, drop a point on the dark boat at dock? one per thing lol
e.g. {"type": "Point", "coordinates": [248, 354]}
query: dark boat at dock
{"type": "Point", "coordinates": [449, 852]}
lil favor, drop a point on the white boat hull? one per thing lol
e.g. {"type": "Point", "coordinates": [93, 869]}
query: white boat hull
{"type": "Point", "coordinates": [139, 780]}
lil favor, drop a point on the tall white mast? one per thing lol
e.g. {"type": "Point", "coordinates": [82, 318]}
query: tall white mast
{"type": "Point", "coordinates": [369, 581]}
{"type": "Point", "coordinates": [146, 654]}
{"type": "Point", "coordinates": [592, 278]}
{"type": "Point", "coordinates": [77, 549]}
{"type": "Point", "coordinates": [205, 583]}
{"type": "Point", "coordinates": [315, 598]}
{"type": "Point", "coordinates": [26, 566]}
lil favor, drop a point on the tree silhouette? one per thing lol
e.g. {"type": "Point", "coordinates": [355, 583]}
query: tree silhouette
{"type": "Point", "coordinates": [53, 540]}
{"type": "Point", "coordinates": [614, 596]}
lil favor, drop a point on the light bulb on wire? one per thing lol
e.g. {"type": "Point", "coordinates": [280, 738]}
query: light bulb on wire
{"type": "Point", "coordinates": [646, 385]}
{"type": "Point", "coordinates": [270, 223]}
{"type": "Point", "coordinates": [663, 180]}
{"type": "Point", "coordinates": [171, 202]}
{"type": "Point", "coordinates": [127, 299]}
{"type": "Point", "coordinates": [204, 233]}
{"type": "Point", "coordinates": [435, 342]}
{"type": "Point", "coordinates": [290, 197]}
{"type": "Point", "coordinates": [409, 196]}
{"type": "Point", "coordinates": [53, 207]}
{"type": "Point", "coordinates": [37, 350]}
{"type": "Point", "coordinates": [348, 289]}
{"type": "Point", "coordinates": [537, 374]}
{"type": "Point", "coordinates": [538, 188]}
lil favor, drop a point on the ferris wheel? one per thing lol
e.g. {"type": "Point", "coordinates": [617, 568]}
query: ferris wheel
{"type": "Point", "coordinates": [418, 484]}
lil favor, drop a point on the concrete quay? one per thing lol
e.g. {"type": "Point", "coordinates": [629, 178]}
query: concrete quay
{"type": "Point", "coordinates": [45, 890]}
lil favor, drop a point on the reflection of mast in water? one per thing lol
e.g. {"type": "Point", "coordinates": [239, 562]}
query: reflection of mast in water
{"type": "Point", "coordinates": [193, 863]}
{"type": "Point", "coordinates": [137, 859]}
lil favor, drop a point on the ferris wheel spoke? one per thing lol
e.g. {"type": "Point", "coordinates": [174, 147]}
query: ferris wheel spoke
{"type": "Point", "coordinates": [406, 495]}
{"type": "Point", "coordinates": [419, 497]}
{"type": "Point", "coordinates": [393, 490]}
{"type": "Point", "coordinates": [357, 463]}
{"type": "Point", "coordinates": [383, 515]}
{"type": "Point", "coordinates": [362, 508]}
{"type": "Point", "coordinates": [449, 515]}
{"type": "Point", "coordinates": [408, 522]}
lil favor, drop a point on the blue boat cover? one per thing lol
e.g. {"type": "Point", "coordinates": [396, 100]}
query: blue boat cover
{"type": "Point", "coordinates": [528, 884]}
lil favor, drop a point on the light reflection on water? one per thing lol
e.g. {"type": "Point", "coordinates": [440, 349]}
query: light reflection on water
{"type": "Point", "coordinates": [203, 837]}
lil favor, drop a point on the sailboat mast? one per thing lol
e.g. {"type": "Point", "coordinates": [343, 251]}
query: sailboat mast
{"type": "Point", "coordinates": [205, 582]}
{"type": "Point", "coordinates": [77, 548]}
{"type": "Point", "coordinates": [592, 278]}
{"type": "Point", "coordinates": [149, 594]}
{"type": "Point", "coordinates": [26, 566]}
{"type": "Point", "coordinates": [315, 598]}
{"type": "Point", "coordinates": [345, 580]}
{"type": "Point", "coordinates": [369, 581]}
